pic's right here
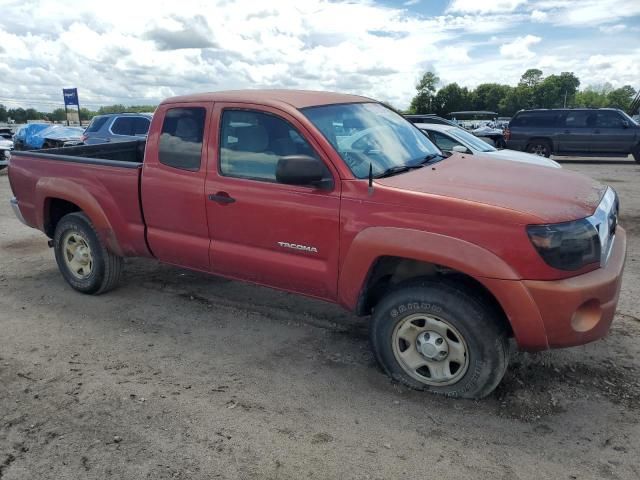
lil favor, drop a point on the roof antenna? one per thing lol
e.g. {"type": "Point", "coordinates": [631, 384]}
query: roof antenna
{"type": "Point", "coordinates": [370, 178]}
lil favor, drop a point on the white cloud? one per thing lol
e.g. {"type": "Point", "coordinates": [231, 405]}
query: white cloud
{"type": "Point", "coordinates": [539, 16]}
{"type": "Point", "coordinates": [485, 6]}
{"type": "Point", "coordinates": [589, 12]}
{"type": "Point", "coordinates": [519, 48]}
{"type": "Point", "coordinates": [613, 29]}
{"type": "Point", "coordinates": [116, 52]}
{"type": "Point", "coordinates": [409, 3]}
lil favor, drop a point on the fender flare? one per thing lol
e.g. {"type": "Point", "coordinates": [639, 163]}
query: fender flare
{"type": "Point", "coordinates": [376, 242]}
{"type": "Point", "coordinates": [64, 189]}
{"type": "Point", "coordinates": [479, 263]}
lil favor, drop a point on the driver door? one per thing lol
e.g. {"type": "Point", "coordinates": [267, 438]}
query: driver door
{"type": "Point", "coordinates": [283, 236]}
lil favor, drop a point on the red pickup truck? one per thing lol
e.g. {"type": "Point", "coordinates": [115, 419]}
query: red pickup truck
{"type": "Point", "coordinates": [338, 197]}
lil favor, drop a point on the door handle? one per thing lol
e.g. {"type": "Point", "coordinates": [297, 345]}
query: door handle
{"type": "Point", "coordinates": [222, 198]}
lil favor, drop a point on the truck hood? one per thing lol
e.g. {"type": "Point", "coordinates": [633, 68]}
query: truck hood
{"type": "Point", "coordinates": [550, 194]}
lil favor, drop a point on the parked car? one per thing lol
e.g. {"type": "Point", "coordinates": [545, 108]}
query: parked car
{"type": "Point", "coordinates": [451, 257]}
{"type": "Point", "coordinates": [6, 133]}
{"type": "Point", "coordinates": [606, 132]}
{"type": "Point", "coordinates": [56, 136]}
{"type": "Point", "coordinates": [453, 139]}
{"type": "Point", "coordinates": [117, 127]}
{"type": "Point", "coordinates": [6, 146]}
{"type": "Point", "coordinates": [24, 136]}
{"type": "Point", "coordinates": [430, 118]}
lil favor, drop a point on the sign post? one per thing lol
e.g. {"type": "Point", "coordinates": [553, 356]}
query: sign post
{"type": "Point", "coordinates": [71, 98]}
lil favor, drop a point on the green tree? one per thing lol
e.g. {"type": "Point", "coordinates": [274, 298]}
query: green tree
{"type": "Point", "coordinates": [58, 115]}
{"type": "Point", "coordinates": [488, 96]}
{"type": "Point", "coordinates": [451, 98]}
{"type": "Point", "coordinates": [4, 114]}
{"type": "Point", "coordinates": [531, 78]}
{"type": "Point", "coordinates": [18, 114]}
{"type": "Point", "coordinates": [517, 98]}
{"type": "Point", "coordinates": [555, 89]}
{"type": "Point", "coordinates": [621, 97]}
{"type": "Point", "coordinates": [426, 87]}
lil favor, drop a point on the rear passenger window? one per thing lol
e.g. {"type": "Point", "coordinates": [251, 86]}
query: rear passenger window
{"type": "Point", "coordinates": [180, 143]}
{"type": "Point", "coordinates": [122, 126]}
{"type": "Point", "coordinates": [251, 143]}
{"type": "Point", "coordinates": [580, 119]}
{"type": "Point", "coordinates": [536, 119]}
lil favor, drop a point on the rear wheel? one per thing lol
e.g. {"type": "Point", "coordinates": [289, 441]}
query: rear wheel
{"type": "Point", "coordinates": [83, 260]}
{"type": "Point", "coordinates": [539, 147]}
{"type": "Point", "coordinates": [440, 337]}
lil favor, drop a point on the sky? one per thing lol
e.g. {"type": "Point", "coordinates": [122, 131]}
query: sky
{"type": "Point", "coordinates": [135, 52]}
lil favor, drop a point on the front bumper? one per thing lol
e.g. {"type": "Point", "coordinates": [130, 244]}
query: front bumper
{"type": "Point", "coordinates": [563, 313]}
{"type": "Point", "coordinates": [16, 210]}
{"type": "Point", "coordinates": [580, 309]}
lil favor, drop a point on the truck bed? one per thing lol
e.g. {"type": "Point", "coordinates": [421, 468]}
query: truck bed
{"type": "Point", "coordinates": [101, 180]}
{"type": "Point", "coordinates": [117, 154]}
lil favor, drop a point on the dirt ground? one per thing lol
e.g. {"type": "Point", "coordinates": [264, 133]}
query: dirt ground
{"type": "Point", "coordinates": [180, 375]}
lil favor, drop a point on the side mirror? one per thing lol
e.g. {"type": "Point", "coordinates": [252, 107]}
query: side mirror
{"type": "Point", "coordinates": [460, 149]}
{"type": "Point", "coordinates": [302, 170]}
{"type": "Point", "coordinates": [625, 124]}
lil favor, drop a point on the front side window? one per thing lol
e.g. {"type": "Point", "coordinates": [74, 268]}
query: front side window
{"type": "Point", "coordinates": [96, 124]}
{"type": "Point", "coordinates": [369, 134]}
{"type": "Point", "coordinates": [444, 142]}
{"type": "Point", "coordinates": [141, 126]}
{"type": "Point", "coordinates": [180, 143]}
{"type": "Point", "coordinates": [252, 143]}
{"type": "Point", "coordinates": [471, 141]}
{"type": "Point", "coordinates": [609, 120]}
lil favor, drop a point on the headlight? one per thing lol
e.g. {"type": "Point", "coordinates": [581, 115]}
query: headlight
{"type": "Point", "coordinates": [566, 246]}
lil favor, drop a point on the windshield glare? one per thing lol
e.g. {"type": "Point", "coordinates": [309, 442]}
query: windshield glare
{"type": "Point", "coordinates": [370, 134]}
{"type": "Point", "coordinates": [471, 141]}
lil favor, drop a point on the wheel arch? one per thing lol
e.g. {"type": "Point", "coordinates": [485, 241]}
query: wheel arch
{"type": "Point", "coordinates": [376, 251]}
{"type": "Point", "coordinates": [63, 196]}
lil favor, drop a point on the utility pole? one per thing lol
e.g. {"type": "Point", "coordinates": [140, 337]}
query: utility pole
{"type": "Point", "coordinates": [565, 99]}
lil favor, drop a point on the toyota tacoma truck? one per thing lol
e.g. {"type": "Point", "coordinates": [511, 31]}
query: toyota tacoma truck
{"type": "Point", "coordinates": [337, 197]}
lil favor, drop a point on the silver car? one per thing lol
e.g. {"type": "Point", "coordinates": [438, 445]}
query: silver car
{"type": "Point", "coordinates": [454, 139]}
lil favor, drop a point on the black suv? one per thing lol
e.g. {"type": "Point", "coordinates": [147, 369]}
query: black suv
{"type": "Point", "coordinates": [606, 132]}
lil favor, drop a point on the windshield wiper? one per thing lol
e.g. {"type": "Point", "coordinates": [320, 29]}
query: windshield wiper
{"type": "Point", "coordinates": [429, 159]}
{"type": "Point", "coordinates": [396, 169]}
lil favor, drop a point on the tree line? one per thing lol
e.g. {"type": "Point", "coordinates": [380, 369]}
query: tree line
{"type": "Point", "coordinates": [21, 115]}
{"type": "Point", "coordinates": [534, 90]}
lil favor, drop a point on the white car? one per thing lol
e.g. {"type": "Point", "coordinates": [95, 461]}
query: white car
{"type": "Point", "coordinates": [5, 148]}
{"type": "Point", "coordinates": [453, 139]}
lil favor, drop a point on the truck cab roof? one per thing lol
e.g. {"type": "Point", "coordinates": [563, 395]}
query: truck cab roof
{"type": "Point", "coordinates": [295, 98]}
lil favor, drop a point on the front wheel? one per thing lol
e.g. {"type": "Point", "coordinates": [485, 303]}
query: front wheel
{"type": "Point", "coordinates": [440, 337]}
{"type": "Point", "coordinates": [83, 260]}
{"type": "Point", "coordinates": [541, 148]}
{"type": "Point", "coordinates": [636, 153]}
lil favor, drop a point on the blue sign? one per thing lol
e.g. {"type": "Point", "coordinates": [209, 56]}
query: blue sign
{"type": "Point", "coordinates": [70, 96]}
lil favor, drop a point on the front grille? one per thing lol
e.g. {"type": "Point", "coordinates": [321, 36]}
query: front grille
{"type": "Point", "coordinates": [605, 220]}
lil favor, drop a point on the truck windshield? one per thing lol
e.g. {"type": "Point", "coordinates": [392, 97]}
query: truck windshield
{"type": "Point", "coordinates": [370, 134]}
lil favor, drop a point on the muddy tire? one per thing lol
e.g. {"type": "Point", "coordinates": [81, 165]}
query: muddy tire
{"type": "Point", "coordinates": [440, 337]}
{"type": "Point", "coordinates": [83, 260]}
{"type": "Point", "coordinates": [539, 147]}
